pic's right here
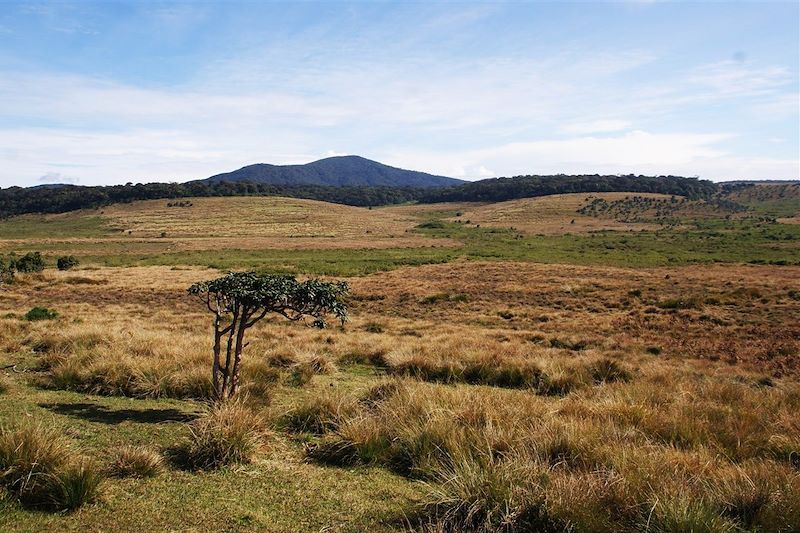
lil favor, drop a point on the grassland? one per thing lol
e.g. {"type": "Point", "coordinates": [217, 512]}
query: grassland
{"type": "Point", "coordinates": [317, 238]}
{"type": "Point", "coordinates": [502, 380]}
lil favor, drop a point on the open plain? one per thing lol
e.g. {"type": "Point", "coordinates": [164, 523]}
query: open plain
{"type": "Point", "coordinates": [528, 365]}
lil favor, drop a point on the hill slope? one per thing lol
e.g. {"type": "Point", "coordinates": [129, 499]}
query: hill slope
{"type": "Point", "coordinates": [343, 171]}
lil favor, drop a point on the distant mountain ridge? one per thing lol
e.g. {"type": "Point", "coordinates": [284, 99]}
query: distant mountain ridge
{"type": "Point", "coordinates": [339, 171]}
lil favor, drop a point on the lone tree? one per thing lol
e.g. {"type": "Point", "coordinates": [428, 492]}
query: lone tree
{"type": "Point", "coordinates": [240, 299]}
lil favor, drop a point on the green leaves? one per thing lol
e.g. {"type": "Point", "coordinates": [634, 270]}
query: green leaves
{"type": "Point", "coordinates": [265, 293]}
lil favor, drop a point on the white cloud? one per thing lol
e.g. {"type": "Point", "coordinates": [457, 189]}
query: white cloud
{"type": "Point", "coordinates": [636, 152]}
{"type": "Point", "coordinates": [597, 126]}
{"type": "Point", "coordinates": [737, 78]}
{"type": "Point", "coordinates": [459, 119]}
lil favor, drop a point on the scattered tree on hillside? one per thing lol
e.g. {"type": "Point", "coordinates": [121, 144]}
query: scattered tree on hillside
{"type": "Point", "coordinates": [30, 262]}
{"type": "Point", "coordinates": [67, 262]}
{"type": "Point", "coordinates": [240, 299]}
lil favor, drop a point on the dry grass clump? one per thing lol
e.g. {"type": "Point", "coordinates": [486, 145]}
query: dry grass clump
{"type": "Point", "coordinates": [319, 414]}
{"type": "Point", "coordinates": [229, 433]}
{"type": "Point", "coordinates": [76, 484]}
{"type": "Point", "coordinates": [135, 461]}
{"type": "Point", "coordinates": [506, 461]}
{"type": "Point", "coordinates": [302, 372]}
{"type": "Point", "coordinates": [38, 467]}
{"type": "Point", "coordinates": [502, 366]}
{"type": "Point", "coordinates": [111, 361]}
{"type": "Point", "coordinates": [493, 495]}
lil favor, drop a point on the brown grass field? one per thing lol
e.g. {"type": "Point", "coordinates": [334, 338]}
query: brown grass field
{"type": "Point", "coordinates": [551, 215]}
{"type": "Point", "coordinates": [464, 396]}
{"type": "Point", "coordinates": [246, 223]}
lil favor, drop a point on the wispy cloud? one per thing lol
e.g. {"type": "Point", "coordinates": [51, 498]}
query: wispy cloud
{"type": "Point", "coordinates": [442, 90]}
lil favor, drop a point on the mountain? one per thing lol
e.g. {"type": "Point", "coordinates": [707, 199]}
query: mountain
{"type": "Point", "coordinates": [342, 171]}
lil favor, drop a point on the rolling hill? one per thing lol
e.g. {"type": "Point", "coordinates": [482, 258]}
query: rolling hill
{"type": "Point", "coordinates": [342, 171]}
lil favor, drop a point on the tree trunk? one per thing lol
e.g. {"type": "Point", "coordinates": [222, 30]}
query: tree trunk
{"type": "Point", "coordinates": [237, 355]}
{"type": "Point", "coordinates": [224, 392]}
{"type": "Point", "coordinates": [215, 371]}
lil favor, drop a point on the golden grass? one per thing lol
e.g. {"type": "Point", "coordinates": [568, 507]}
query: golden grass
{"type": "Point", "coordinates": [603, 460]}
{"type": "Point", "coordinates": [551, 215]}
{"type": "Point", "coordinates": [532, 396]}
{"type": "Point", "coordinates": [246, 223]}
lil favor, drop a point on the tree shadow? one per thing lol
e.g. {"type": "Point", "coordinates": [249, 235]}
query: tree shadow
{"type": "Point", "coordinates": [104, 415]}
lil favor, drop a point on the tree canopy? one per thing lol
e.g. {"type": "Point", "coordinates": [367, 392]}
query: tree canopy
{"type": "Point", "coordinates": [240, 299]}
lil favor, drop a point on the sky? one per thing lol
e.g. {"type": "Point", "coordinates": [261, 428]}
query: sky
{"type": "Point", "coordinates": [115, 92]}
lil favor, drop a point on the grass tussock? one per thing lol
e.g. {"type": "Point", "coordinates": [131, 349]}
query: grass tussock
{"type": "Point", "coordinates": [319, 414]}
{"type": "Point", "coordinates": [608, 460]}
{"type": "Point", "coordinates": [553, 376]}
{"type": "Point", "coordinates": [38, 467]}
{"type": "Point", "coordinates": [109, 361]}
{"type": "Point", "coordinates": [135, 461]}
{"type": "Point", "coordinates": [229, 434]}
{"type": "Point", "coordinates": [76, 484]}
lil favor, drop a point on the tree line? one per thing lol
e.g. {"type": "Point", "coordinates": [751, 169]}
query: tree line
{"type": "Point", "coordinates": [63, 198]}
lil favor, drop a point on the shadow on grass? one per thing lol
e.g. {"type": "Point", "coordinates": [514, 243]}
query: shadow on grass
{"type": "Point", "coordinates": [99, 413]}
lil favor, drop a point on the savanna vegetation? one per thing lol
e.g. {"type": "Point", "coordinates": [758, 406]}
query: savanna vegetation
{"type": "Point", "coordinates": [535, 365]}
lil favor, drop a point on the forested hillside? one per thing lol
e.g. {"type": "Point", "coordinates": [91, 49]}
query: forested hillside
{"type": "Point", "coordinates": [18, 200]}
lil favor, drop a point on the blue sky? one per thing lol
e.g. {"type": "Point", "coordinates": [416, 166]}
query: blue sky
{"type": "Point", "coordinates": [112, 92]}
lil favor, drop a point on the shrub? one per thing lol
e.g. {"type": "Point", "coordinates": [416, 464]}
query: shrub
{"type": "Point", "coordinates": [67, 262]}
{"type": "Point", "coordinates": [132, 461]}
{"type": "Point", "coordinates": [40, 313]}
{"type": "Point", "coordinates": [319, 364]}
{"type": "Point", "coordinates": [438, 297]}
{"type": "Point", "coordinates": [230, 433]}
{"type": "Point", "coordinates": [30, 262]}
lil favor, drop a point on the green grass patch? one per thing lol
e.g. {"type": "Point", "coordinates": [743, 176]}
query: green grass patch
{"type": "Point", "coordinates": [726, 242]}
{"type": "Point", "coordinates": [42, 227]}
{"type": "Point", "coordinates": [332, 262]}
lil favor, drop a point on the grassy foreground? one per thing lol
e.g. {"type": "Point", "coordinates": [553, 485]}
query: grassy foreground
{"type": "Point", "coordinates": [460, 397]}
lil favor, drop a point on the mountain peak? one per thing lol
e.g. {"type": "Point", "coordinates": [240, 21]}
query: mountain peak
{"type": "Point", "coordinates": [336, 171]}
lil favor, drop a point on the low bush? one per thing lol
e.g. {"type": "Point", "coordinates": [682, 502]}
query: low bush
{"type": "Point", "coordinates": [30, 262]}
{"type": "Point", "coordinates": [29, 458]}
{"type": "Point", "coordinates": [40, 313]}
{"type": "Point", "coordinates": [67, 262]}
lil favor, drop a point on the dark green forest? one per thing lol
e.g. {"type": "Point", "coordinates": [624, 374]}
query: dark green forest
{"type": "Point", "coordinates": [63, 198]}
